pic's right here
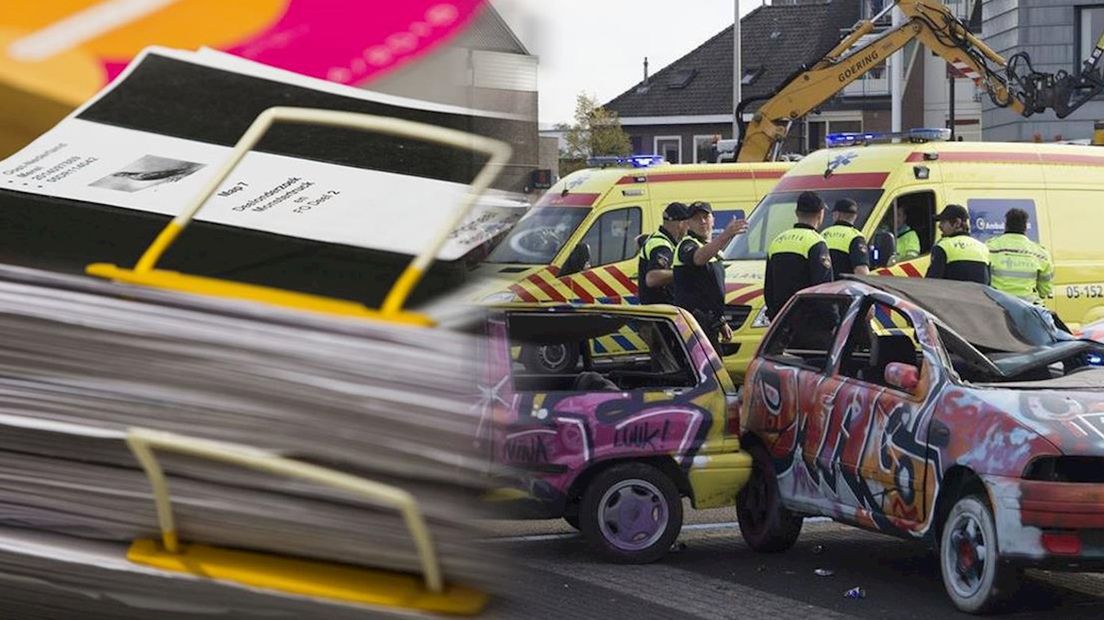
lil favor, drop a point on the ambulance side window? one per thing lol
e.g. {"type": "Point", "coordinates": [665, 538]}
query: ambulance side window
{"type": "Point", "coordinates": [919, 215]}
{"type": "Point", "coordinates": [612, 237]}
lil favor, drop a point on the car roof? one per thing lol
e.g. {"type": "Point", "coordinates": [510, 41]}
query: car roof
{"type": "Point", "coordinates": [972, 311]}
{"type": "Point", "coordinates": [645, 310]}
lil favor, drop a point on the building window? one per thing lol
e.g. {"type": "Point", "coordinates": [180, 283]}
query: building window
{"type": "Point", "coordinates": [670, 147]}
{"type": "Point", "coordinates": [702, 147]}
{"type": "Point", "coordinates": [1090, 22]}
{"type": "Point", "coordinates": [637, 144]}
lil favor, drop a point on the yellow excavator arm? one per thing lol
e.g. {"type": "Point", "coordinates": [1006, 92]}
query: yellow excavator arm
{"type": "Point", "coordinates": [1011, 83]}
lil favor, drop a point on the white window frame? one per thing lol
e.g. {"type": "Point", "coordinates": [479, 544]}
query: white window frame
{"type": "Point", "coordinates": [707, 139]}
{"type": "Point", "coordinates": [655, 146]}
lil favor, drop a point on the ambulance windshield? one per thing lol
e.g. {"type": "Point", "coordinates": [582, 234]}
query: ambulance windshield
{"type": "Point", "coordinates": [776, 213]}
{"type": "Point", "coordinates": [538, 237]}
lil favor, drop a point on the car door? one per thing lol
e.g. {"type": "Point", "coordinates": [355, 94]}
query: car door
{"type": "Point", "coordinates": [883, 464]}
{"type": "Point", "coordinates": [792, 384]}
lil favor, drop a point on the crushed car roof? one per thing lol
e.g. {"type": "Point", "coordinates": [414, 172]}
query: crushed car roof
{"type": "Point", "coordinates": [988, 319]}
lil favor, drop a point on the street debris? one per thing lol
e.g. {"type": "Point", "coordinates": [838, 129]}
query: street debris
{"type": "Point", "coordinates": [824, 572]}
{"type": "Point", "coordinates": [855, 593]}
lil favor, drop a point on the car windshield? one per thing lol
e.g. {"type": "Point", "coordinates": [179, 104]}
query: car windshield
{"type": "Point", "coordinates": [775, 214]}
{"type": "Point", "coordinates": [539, 236]}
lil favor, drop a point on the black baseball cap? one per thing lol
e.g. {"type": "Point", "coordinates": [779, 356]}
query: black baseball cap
{"type": "Point", "coordinates": [699, 206]}
{"type": "Point", "coordinates": [845, 205]}
{"type": "Point", "coordinates": [953, 212]}
{"type": "Point", "coordinates": [809, 202]}
{"type": "Point", "coordinates": [676, 212]}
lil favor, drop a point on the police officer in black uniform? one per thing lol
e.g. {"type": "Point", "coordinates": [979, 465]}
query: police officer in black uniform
{"type": "Point", "coordinates": [846, 244]}
{"type": "Point", "coordinates": [797, 258]}
{"type": "Point", "coordinates": [655, 278]}
{"type": "Point", "coordinates": [958, 256]}
{"type": "Point", "coordinates": [699, 271]}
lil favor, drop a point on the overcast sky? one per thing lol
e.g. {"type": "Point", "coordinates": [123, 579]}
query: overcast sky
{"type": "Point", "coordinates": [598, 46]}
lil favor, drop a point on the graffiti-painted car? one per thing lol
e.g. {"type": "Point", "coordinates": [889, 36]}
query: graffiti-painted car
{"type": "Point", "coordinates": [975, 425]}
{"type": "Point", "coordinates": [613, 443]}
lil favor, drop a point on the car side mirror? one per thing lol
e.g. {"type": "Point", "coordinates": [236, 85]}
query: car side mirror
{"type": "Point", "coordinates": [578, 260]}
{"type": "Point", "coordinates": [902, 376]}
{"type": "Point", "coordinates": [882, 247]}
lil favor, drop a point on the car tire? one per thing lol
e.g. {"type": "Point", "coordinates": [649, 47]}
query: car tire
{"type": "Point", "coordinates": [631, 513]}
{"type": "Point", "coordinates": [766, 525]}
{"type": "Point", "coordinates": [551, 359]}
{"type": "Point", "coordinates": [572, 519]}
{"type": "Point", "coordinates": [975, 578]}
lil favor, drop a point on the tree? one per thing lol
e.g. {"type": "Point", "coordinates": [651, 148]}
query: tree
{"type": "Point", "coordinates": [595, 131]}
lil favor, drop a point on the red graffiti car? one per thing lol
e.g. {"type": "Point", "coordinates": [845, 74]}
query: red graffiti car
{"type": "Point", "coordinates": [934, 410]}
{"type": "Point", "coordinates": [646, 416]}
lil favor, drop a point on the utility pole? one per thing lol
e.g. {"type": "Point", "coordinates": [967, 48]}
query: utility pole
{"type": "Point", "coordinates": [896, 62]}
{"type": "Point", "coordinates": [737, 74]}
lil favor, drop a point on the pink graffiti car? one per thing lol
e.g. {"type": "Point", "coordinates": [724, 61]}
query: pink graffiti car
{"type": "Point", "coordinates": [646, 416]}
{"type": "Point", "coordinates": [933, 410]}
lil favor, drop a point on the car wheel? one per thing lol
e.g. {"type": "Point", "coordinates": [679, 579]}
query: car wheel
{"type": "Point", "coordinates": [631, 513]}
{"type": "Point", "coordinates": [765, 524]}
{"type": "Point", "coordinates": [572, 519]}
{"type": "Point", "coordinates": [975, 578]}
{"type": "Point", "coordinates": [550, 358]}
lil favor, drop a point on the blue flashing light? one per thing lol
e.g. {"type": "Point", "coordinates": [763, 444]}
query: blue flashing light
{"type": "Point", "coordinates": [635, 161]}
{"type": "Point", "coordinates": [854, 138]}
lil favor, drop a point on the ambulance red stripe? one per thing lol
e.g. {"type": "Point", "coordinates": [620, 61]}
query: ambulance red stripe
{"type": "Point", "coordinates": [523, 294]}
{"type": "Point", "coordinates": [548, 289]}
{"type": "Point", "coordinates": [552, 199]}
{"type": "Point", "coordinates": [912, 271]}
{"type": "Point", "coordinates": [839, 180]}
{"type": "Point", "coordinates": [597, 281]}
{"type": "Point", "coordinates": [630, 286]}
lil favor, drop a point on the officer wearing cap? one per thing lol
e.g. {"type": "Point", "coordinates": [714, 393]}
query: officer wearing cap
{"type": "Point", "coordinates": [699, 271]}
{"type": "Point", "coordinates": [1019, 266]}
{"type": "Point", "coordinates": [655, 277]}
{"type": "Point", "coordinates": [846, 245]}
{"type": "Point", "coordinates": [958, 256]}
{"type": "Point", "coordinates": [797, 258]}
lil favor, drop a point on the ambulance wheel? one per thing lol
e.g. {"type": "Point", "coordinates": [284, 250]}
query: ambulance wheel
{"type": "Point", "coordinates": [975, 578]}
{"type": "Point", "coordinates": [631, 513]}
{"type": "Point", "coordinates": [765, 524]}
{"type": "Point", "coordinates": [551, 359]}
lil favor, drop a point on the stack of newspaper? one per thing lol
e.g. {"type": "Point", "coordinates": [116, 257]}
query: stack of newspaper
{"type": "Point", "coordinates": [84, 361]}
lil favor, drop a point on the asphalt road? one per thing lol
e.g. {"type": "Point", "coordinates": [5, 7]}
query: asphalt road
{"type": "Point", "coordinates": [717, 576]}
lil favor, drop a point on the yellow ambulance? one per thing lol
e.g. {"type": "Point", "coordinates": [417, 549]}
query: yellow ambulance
{"type": "Point", "coordinates": [906, 184]}
{"type": "Point", "coordinates": [594, 216]}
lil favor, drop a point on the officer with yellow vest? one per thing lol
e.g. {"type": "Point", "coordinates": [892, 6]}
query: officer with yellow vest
{"type": "Point", "coordinates": [797, 258]}
{"type": "Point", "coordinates": [1018, 265]}
{"type": "Point", "coordinates": [655, 279]}
{"type": "Point", "coordinates": [958, 256]}
{"type": "Point", "coordinates": [846, 244]}
{"type": "Point", "coordinates": [908, 241]}
{"type": "Point", "coordinates": [699, 271]}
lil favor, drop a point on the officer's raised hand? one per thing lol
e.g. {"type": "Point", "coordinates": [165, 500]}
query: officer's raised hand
{"type": "Point", "coordinates": [735, 227]}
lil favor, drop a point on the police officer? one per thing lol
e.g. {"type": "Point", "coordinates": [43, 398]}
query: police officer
{"type": "Point", "coordinates": [908, 241]}
{"type": "Point", "coordinates": [846, 244]}
{"type": "Point", "coordinates": [699, 272]}
{"type": "Point", "coordinates": [1018, 265]}
{"type": "Point", "coordinates": [958, 256]}
{"type": "Point", "coordinates": [797, 258]}
{"type": "Point", "coordinates": [655, 279]}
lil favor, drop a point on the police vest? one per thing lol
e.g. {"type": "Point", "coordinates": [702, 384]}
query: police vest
{"type": "Point", "coordinates": [839, 238]}
{"type": "Point", "coordinates": [794, 241]}
{"type": "Point", "coordinates": [964, 248]}
{"type": "Point", "coordinates": [1019, 266]}
{"type": "Point", "coordinates": [908, 244]}
{"type": "Point", "coordinates": [698, 287]}
{"type": "Point", "coordinates": [645, 293]}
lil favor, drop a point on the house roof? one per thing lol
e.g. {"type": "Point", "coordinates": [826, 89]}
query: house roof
{"type": "Point", "coordinates": [777, 39]}
{"type": "Point", "coordinates": [489, 32]}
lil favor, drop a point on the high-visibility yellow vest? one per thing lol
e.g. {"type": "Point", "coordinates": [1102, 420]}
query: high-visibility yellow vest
{"type": "Point", "coordinates": [1020, 267]}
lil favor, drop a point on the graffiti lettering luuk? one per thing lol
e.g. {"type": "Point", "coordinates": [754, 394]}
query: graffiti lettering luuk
{"type": "Point", "coordinates": [1012, 438]}
{"type": "Point", "coordinates": [613, 459]}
